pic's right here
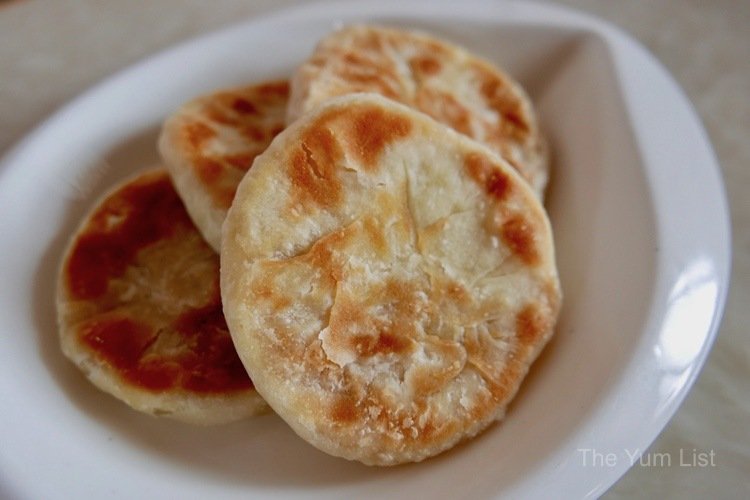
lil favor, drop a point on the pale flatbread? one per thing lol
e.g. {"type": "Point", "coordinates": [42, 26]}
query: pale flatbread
{"type": "Point", "coordinates": [387, 282]}
{"type": "Point", "coordinates": [139, 309]}
{"type": "Point", "coordinates": [440, 79]}
{"type": "Point", "coordinates": [211, 141]}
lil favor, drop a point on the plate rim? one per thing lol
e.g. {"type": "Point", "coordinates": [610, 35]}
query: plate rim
{"type": "Point", "coordinates": [13, 158]}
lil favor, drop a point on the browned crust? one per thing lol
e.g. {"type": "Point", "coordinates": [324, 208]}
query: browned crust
{"type": "Point", "coordinates": [390, 295]}
{"type": "Point", "coordinates": [459, 89]}
{"type": "Point", "coordinates": [139, 310]}
{"type": "Point", "coordinates": [211, 141]}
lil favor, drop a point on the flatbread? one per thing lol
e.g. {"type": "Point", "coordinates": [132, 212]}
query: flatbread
{"type": "Point", "coordinates": [139, 310]}
{"type": "Point", "coordinates": [445, 81]}
{"type": "Point", "coordinates": [387, 281]}
{"type": "Point", "coordinates": [210, 142]}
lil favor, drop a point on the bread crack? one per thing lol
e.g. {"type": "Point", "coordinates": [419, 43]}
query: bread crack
{"type": "Point", "coordinates": [408, 202]}
{"type": "Point", "coordinates": [311, 162]}
{"type": "Point", "coordinates": [495, 272]}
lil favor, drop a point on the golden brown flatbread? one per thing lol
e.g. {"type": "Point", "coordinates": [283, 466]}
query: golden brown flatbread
{"type": "Point", "coordinates": [211, 141]}
{"type": "Point", "coordinates": [445, 81]}
{"type": "Point", "coordinates": [139, 309]}
{"type": "Point", "coordinates": [387, 281]}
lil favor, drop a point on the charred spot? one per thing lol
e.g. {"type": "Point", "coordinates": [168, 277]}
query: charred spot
{"type": "Point", "coordinates": [518, 234]}
{"type": "Point", "coordinates": [150, 211]}
{"type": "Point", "coordinates": [372, 41]}
{"type": "Point", "coordinates": [369, 71]}
{"type": "Point", "coordinates": [208, 170]}
{"type": "Point", "coordinates": [457, 293]}
{"type": "Point", "coordinates": [345, 410]}
{"type": "Point", "coordinates": [254, 133]}
{"type": "Point", "coordinates": [355, 59]}
{"type": "Point", "coordinates": [244, 107]}
{"type": "Point", "coordinates": [220, 110]}
{"type": "Point", "coordinates": [119, 341]}
{"type": "Point", "coordinates": [313, 167]}
{"type": "Point", "coordinates": [381, 343]}
{"type": "Point", "coordinates": [197, 133]}
{"type": "Point", "coordinates": [241, 161]}
{"type": "Point", "coordinates": [499, 96]}
{"type": "Point", "coordinates": [426, 65]}
{"type": "Point", "coordinates": [278, 90]}
{"type": "Point", "coordinates": [436, 48]}
{"type": "Point", "coordinates": [366, 80]}
{"type": "Point", "coordinates": [529, 324]}
{"type": "Point", "coordinates": [210, 363]}
{"type": "Point", "coordinates": [488, 84]}
{"type": "Point", "coordinates": [494, 181]}
{"type": "Point", "coordinates": [224, 196]}
{"type": "Point", "coordinates": [122, 343]}
{"type": "Point", "coordinates": [497, 184]}
{"type": "Point", "coordinates": [444, 108]}
{"type": "Point", "coordinates": [406, 302]}
{"type": "Point", "coordinates": [372, 130]}
{"type": "Point", "coordinates": [513, 125]}
{"type": "Point", "coordinates": [206, 361]}
{"type": "Point", "coordinates": [266, 292]}
{"type": "Point", "coordinates": [514, 117]}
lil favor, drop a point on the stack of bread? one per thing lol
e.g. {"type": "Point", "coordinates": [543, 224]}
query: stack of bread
{"type": "Point", "coordinates": [363, 248]}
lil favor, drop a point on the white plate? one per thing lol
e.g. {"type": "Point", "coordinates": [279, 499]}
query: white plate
{"type": "Point", "coordinates": [640, 220]}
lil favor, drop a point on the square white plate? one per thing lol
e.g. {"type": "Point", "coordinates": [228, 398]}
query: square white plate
{"type": "Point", "coordinates": [642, 232]}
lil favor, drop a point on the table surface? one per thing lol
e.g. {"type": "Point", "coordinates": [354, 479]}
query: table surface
{"type": "Point", "coordinates": [51, 51]}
